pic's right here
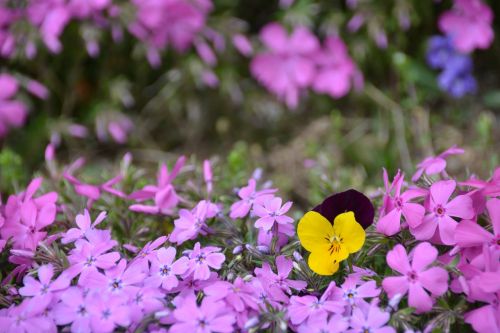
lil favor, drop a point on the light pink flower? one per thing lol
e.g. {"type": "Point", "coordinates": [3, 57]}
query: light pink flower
{"type": "Point", "coordinates": [270, 212]}
{"type": "Point", "coordinates": [191, 223]}
{"type": "Point", "coordinates": [85, 227]}
{"type": "Point", "coordinates": [287, 67]}
{"type": "Point", "coordinates": [44, 286]}
{"type": "Point", "coordinates": [354, 291]}
{"type": "Point", "coordinates": [370, 319]}
{"type": "Point", "coordinates": [417, 277]}
{"type": "Point", "coordinates": [441, 211]}
{"type": "Point", "coordinates": [469, 25]}
{"type": "Point", "coordinates": [164, 269]}
{"type": "Point", "coordinates": [435, 164]}
{"type": "Point", "coordinates": [280, 279]}
{"type": "Point", "coordinates": [202, 259]}
{"type": "Point", "coordinates": [248, 195]}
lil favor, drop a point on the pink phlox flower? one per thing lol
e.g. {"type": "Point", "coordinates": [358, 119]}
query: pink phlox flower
{"type": "Point", "coordinates": [92, 192]}
{"type": "Point", "coordinates": [202, 259]}
{"type": "Point", "coordinates": [189, 285]}
{"type": "Point", "coordinates": [13, 112]}
{"type": "Point", "coordinates": [73, 309]}
{"type": "Point", "coordinates": [192, 223]}
{"type": "Point", "coordinates": [163, 193]}
{"type": "Point", "coordinates": [469, 24]}
{"type": "Point", "coordinates": [284, 267]}
{"type": "Point", "coordinates": [268, 294]}
{"type": "Point", "coordinates": [354, 291]}
{"type": "Point", "coordinates": [248, 195]}
{"type": "Point", "coordinates": [400, 204]}
{"type": "Point", "coordinates": [87, 258]}
{"type": "Point", "coordinates": [25, 217]}
{"type": "Point", "coordinates": [417, 278]}
{"type": "Point", "coordinates": [370, 318]}
{"type": "Point", "coordinates": [51, 17]}
{"type": "Point", "coordinates": [265, 237]}
{"type": "Point", "coordinates": [308, 309]}
{"type": "Point", "coordinates": [287, 67]}
{"type": "Point", "coordinates": [144, 301]}
{"type": "Point", "coordinates": [27, 317]}
{"type": "Point", "coordinates": [165, 269]}
{"type": "Point", "coordinates": [435, 164]}
{"type": "Point", "coordinates": [85, 227]}
{"type": "Point", "coordinates": [441, 212]}
{"type": "Point", "coordinates": [336, 70]}
{"type": "Point", "coordinates": [240, 295]}
{"type": "Point", "coordinates": [210, 316]}
{"type": "Point", "coordinates": [272, 211]}
{"type": "Point", "coordinates": [325, 324]}
{"type": "Point", "coordinates": [148, 253]}
{"type": "Point", "coordinates": [488, 188]}
{"type": "Point", "coordinates": [43, 286]}
{"type": "Point", "coordinates": [107, 311]}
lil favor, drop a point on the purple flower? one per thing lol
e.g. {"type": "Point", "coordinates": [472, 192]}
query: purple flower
{"type": "Point", "coordinates": [239, 295]}
{"type": "Point", "coordinates": [249, 196]}
{"type": "Point", "coordinates": [335, 324]}
{"type": "Point", "coordinates": [354, 291]}
{"type": "Point", "coordinates": [370, 319]}
{"type": "Point", "coordinates": [13, 112]}
{"type": "Point", "coordinates": [44, 286]}
{"type": "Point", "coordinates": [287, 67]}
{"type": "Point", "coordinates": [107, 311]}
{"type": "Point", "coordinates": [87, 258]}
{"type": "Point", "coordinates": [210, 316]}
{"type": "Point", "coordinates": [441, 212]}
{"type": "Point", "coordinates": [73, 309]}
{"type": "Point", "coordinates": [85, 227]}
{"type": "Point", "coordinates": [27, 317]}
{"type": "Point", "coordinates": [281, 280]}
{"type": "Point", "coordinates": [144, 301]}
{"type": "Point", "coordinates": [270, 212]}
{"type": "Point", "coordinates": [202, 259]}
{"type": "Point", "coordinates": [148, 252]}
{"type": "Point", "coordinates": [439, 51]}
{"type": "Point", "coordinates": [416, 276]}
{"type": "Point", "coordinates": [164, 269]}
{"type": "Point", "coordinates": [164, 195]}
{"type": "Point", "coordinates": [191, 223]}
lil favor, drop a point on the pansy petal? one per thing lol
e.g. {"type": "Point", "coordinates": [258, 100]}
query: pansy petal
{"type": "Point", "coordinates": [350, 232]}
{"type": "Point", "coordinates": [313, 231]}
{"type": "Point", "coordinates": [321, 263]}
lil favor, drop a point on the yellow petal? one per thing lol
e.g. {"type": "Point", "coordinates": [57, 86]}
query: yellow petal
{"type": "Point", "coordinates": [341, 254]}
{"type": "Point", "coordinates": [350, 232]}
{"type": "Point", "coordinates": [322, 263]}
{"type": "Point", "coordinates": [313, 231]}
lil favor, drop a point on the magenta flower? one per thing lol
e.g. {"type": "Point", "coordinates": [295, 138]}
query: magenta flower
{"type": "Point", "coordinates": [164, 269]}
{"type": "Point", "coordinates": [51, 17]}
{"type": "Point", "coordinates": [202, 259]}
{"type": "Point", "coordinates": [469, 25]}
{"type": "Point", "coordinates": [270, 212]}
{"type": "Point", "coordinates": [390, 223]}
{"type": "Point", "coordinates": [85, 227]}
{"type": "Point", "coordinates": [248, 195]}
{"type": "Point", "coordinates": [73, 309]}
{"type": "Point", "coordinates": [44, 286]}
{"type": "Point", "coordinates": [336, 69]}
{"type": "Point", "coordinates": [281, 280]}
{"type": "Point", "coordinates": [417, 278]}
{"type": "Point", "coordinates": [441, 212]}
{"type": "Point", "coordinates": [370, 319]}
{"type": "Point", "coordinates": [487, 188]}
{"type": "Point", "coordinates": [164, 195]}
{"type": "Point", "coordinates": [243, 45]}
{"type": "Point", "coordinates": [148, 252]}
{"type": "Point", "coordinates": [191, 223]}
{"type": "Point", "coordinates": [210, 316]}
{"type": "Point", "coordinates": [434, 165]}
{"type": "Point", "coordinates": [485, 319]}
{"type": "Point", "coordinates": [107, 311]}
{"type": "Point", "coordinates": [12, 112]}
{"type": "Point", "coordinates": [287, 67]}
{"type": "Point", "coordinates": [239, 294]}
{"type": "Point", "coordinates": [144, 301]}
{"type": "Point", "coordinates": [471, 234]}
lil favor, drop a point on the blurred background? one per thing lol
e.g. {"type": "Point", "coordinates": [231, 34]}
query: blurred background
{"type": "Point", "coordinates": [317, 93]}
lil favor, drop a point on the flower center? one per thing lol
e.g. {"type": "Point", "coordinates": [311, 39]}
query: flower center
{"type": "Point", "coordinates": [106, 314]}
{"type": "Point", "coordinates": [412, 276]}
{"type": "Point", "coordinates": [335, 243]}
{"type": "Point", "coordinates": [44, 289]}
{"type": "Point", "coordinates": [90, 261]}
{"type": "Point", "coordinates": [316, 304]}
{"type": "Point", "coordinates": [202, 323]}
{"type": "Point", "coordinates": [439, 210]}
{"type": "Point", "coordinates": [164, 270]}
{"type": "Point", "coordinates": [398, 202]}
{"type": "Point", "coordinates": [200, 258]}
{"type": "Point", "coordinates": [116, 284]}
{"type": "Point", "coordinates": [82, 311]}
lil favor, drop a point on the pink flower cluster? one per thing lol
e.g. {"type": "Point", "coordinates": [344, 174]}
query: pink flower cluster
{"type": "Point", "coordinates": [469, 24]}
{"type": "Point", "coordinates": [459, 216]}
{"type": "Point", "coordinates": [292, 63]}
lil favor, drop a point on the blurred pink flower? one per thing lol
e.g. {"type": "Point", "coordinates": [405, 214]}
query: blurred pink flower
{"type": "Point", "coordinates": [441, 211]}
{"type": "Point", "coordinates": [416, 277]}
{"type": "Point", "coordinates": [12, 112]}
{"type": "Point", "coordinates": [164, 194]}
{"type": "Point", "coordinates": [51, 16]}
{"type": "Point", "coordinates": [249, 196]}
{"type": "Point", "coordinates": [469, 24]}
{"type": "Point", "coordinates": [433, 165]}
{"type": "Point", "coordinates": [370, 319]}
{"type": "Point", "coordinates": [243, 45]}
{"type": "Point", "coordinates": [191, 223]}
{"type": "Point", "coordinates": [336, 69]}
{"type": "Point", "coordinates": [287, 66]}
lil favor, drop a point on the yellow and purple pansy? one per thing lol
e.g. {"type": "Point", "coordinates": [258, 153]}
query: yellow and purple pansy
{"type": "Point", "coordinates": [334, 229]}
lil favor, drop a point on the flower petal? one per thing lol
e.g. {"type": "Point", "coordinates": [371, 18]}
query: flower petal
{"type": "Point", "coordinates": [321, 263]}
{"type": "Point", "coordinates": [350, 232]}
{"type": "Point", "coordinates": [313, 231]}
{"type": "Point", "coordinates": [397, 259]}
{"type": "Point", "coordinates": [424, 254]}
